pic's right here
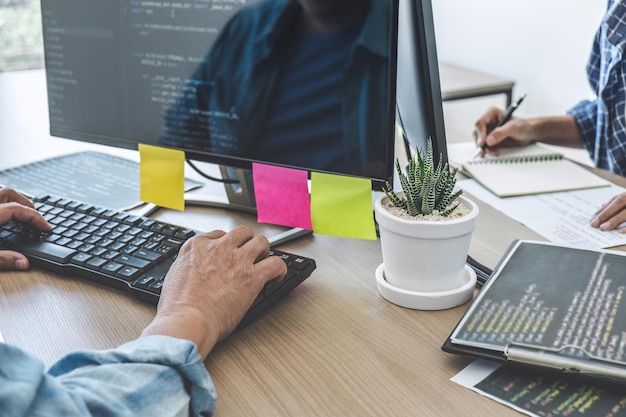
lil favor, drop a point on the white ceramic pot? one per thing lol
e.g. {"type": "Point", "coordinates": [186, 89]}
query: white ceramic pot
{"type": "Point", "coordinates": [426, 257]}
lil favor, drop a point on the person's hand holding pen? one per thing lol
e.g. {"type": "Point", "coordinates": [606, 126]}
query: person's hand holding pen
{"type": "Point", "coordinates": [498, 128]}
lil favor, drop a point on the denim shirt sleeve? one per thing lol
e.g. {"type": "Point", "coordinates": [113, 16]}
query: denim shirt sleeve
{"type": "Point", "coordinates": [154, 375]}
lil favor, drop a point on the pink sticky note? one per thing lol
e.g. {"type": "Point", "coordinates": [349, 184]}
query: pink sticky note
{"type": "Point", "coordinates": [282, 196]}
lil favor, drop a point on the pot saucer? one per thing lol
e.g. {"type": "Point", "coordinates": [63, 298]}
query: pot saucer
{"type": "Point", "coordinates": [427, 300]}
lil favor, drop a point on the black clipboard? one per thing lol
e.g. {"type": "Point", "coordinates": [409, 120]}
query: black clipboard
{"type": "Point", "coordinates": [552, 307]}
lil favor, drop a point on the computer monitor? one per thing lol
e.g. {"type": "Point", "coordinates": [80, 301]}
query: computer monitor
{"type": "Point", "coordinates": [419, 103]}
{"type": "Point", "coordinates": [309, 84]}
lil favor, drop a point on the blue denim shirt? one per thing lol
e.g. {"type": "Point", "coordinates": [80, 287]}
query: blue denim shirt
{"type": "Point", "coordinates": [226, 100]}
{"type": "Point", "coordinates": [151, 376]}
{"type": "Point", "coordinates": [602, 121]}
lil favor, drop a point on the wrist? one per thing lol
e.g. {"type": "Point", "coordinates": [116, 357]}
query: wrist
{"type": "Point", "coordinates": [187, 323]}
{"type": "Point", "coordinates": [557, 130]}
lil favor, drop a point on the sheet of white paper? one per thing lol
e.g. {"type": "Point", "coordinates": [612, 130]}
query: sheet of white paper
{"type": "Point", "coordinates": [474, 373]}
{"type": "Point", "coordinates": [559, 217]}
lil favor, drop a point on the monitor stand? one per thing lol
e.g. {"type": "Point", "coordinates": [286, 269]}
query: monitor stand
{"type": "Point", "coordinates": [240, 197]}
{"type": "Point", "coordinates": [239, 193]}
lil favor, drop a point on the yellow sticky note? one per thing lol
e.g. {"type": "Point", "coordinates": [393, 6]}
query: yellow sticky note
{"type": "Point", "coordinates": [342, 206]}
{"type": "Point", "coordinates": [162, 176]}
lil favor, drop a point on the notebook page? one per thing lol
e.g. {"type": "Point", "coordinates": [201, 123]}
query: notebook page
{"type": "Point", "coordinates": [514, 179]}
{"type": "Point", "coordinates": [462, 153]}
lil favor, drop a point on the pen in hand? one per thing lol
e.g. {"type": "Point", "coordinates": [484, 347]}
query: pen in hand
{"type": "Point", "coordinates": [505, 118]}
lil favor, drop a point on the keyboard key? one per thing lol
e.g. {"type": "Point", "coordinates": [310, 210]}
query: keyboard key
{"type": "Point", "coordinates": [99, 222]}
{"type": "Point", "coordinates": [70, 233]}
{"type": "Point", "coordinates": [77, 216]}
{"type": "Point", "coordinates": [63, 241]}
{"type": "Point", "coordinates": [147, 223]}
{"type": "Point", "coordinates": [112, 254]}
{"type": "Point", "coordinates": [108, 214]}
{"type": "Point", "coordinates": [133, 220]}
{"type": "Point", "coordinates": [81, 258]}
{"type": "Point", "coordinates": [96, 263]}
{"type": "Point", "coordinates": [170, 230]}
{"type": "Point", "coordinates": [184, 234]}
{"type": "Point", "coordinates": [130, 249]}
{"type": "Point", "coordinates": [98, 251]}
{"type": "Point", "coordinates": [85, 208]}
{"type": "Point", "coordinates": [156, 286]}
{"type": "Point", "coordinates": [122, 228]}
{"type": "Point", "coordinates": [146, 234]}
{"type": "Point", "coordinates": [120, 216]}
{"type": "Point", "coordinates": [73, 205]}
{"type": "Point", "coordinates": [63, 202]}
{"type": "Point", "coordinates": [98, 211]}
{"type": "Point", "coordinates": [144, 281]}
{"type": "Point", "coordinates": [148, 255]}
{"type": "Point", "coordinates": [300, 263]}
{"type": "Point", "coordinates": [112, 268]}
{"type": "Point", "coordinates": [56, 220]}
{"type": "Point", "coordinates": [86, 247]}
{"type": "Point", "coordinates": [44, 250]}
{"type": "Point", "coordinates": [132, 261]}
{"type": "Point", "coordinates": [128, 273]}
{"type": "Point", "coordinates": [74, 244]}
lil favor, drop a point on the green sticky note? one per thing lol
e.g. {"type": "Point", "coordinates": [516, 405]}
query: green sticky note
{"type": "Point", "coordinates": [162, 176]}
{"type": "Point", "coordinates": [342, 206]}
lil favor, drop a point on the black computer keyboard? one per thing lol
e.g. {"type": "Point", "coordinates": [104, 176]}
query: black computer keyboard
{"type": "Point", "coordinates": [124, 251]}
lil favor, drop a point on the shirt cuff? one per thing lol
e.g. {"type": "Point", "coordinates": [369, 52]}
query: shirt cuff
{"type": "Point", "coordinates": [584, 113]}
{"type": "Point", "coordinates": [178, 354]}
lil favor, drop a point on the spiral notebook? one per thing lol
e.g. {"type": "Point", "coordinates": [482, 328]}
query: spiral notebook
{"type": "Point", "coordinates": [529, 170]}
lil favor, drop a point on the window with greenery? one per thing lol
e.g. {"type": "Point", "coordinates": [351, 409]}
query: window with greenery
{"type": "Point", "coordinates": [21, 41]}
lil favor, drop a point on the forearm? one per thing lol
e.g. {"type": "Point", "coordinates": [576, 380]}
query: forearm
{"type": "Point", "coordinates": [559, 130]}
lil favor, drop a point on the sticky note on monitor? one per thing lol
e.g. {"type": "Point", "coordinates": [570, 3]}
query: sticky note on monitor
{"type": "Point", "coordinates": [282, 196]}
{"type": "Point", "coordinates": [342, 206]}
{"type": "Point", "coordinates": [162, 176]}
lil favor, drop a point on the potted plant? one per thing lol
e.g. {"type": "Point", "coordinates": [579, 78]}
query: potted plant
{"type": "Point", "coordinates": [425, 233]}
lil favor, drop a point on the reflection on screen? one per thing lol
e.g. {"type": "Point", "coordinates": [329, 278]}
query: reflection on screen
{"type": "Point", "coordinates": [303, 83]}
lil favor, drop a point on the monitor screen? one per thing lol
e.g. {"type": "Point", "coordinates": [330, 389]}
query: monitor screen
{"type": "Point", "coordinates": [309, 84]}
{"type": "Point", "coordinates": [302, 83]}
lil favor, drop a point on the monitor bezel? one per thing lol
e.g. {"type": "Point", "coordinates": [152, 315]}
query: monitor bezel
{"type": "Point", "coordinates": [422, 35]}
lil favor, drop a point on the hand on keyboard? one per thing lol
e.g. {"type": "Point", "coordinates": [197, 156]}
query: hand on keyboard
{"type": "Point", "coordinates": [211, 284]}
{"type": "Point", "coordinates": [133, 253]}
{"type": "Point", "coordinates": [217, 276]}
{"type": "Point", "coordinates": [14, 206]}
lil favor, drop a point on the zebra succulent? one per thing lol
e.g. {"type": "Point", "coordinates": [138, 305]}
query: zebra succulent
{"type": "Point", "coordinates": [426, 188]}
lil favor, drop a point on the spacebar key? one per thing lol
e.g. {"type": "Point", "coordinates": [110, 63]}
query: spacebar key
{"type": "Point", "coordinates": [46, 250]}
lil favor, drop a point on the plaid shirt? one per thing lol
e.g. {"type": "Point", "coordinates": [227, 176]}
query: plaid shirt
{"type": "Point", "coordinates": [151, 376]}
{"type": "Point", "coordinates": [602, 121]}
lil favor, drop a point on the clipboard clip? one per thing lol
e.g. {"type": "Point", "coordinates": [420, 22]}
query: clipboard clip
{"type": "Point", "coordinates": [568, 359]}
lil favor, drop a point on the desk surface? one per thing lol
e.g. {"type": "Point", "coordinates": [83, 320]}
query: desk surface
{"type": "Point", "coordinates": [334, 346]}
{"type": "Point", "coordinates": [458, 83]}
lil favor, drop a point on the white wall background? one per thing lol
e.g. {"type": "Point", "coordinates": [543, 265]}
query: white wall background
{"type": "Point", "coordinates": [542, 45]}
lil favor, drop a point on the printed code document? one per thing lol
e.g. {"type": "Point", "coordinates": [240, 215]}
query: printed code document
{"type": "Point", "coordinates": [539, 394]}
{"type": "Point", "coordinates": [562, 217]}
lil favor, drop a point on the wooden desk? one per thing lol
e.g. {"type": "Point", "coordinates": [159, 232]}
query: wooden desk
{"type": "Point", "coordinates": [333, 347]}
{"type": "Point", "coordinates": [460, 83]}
